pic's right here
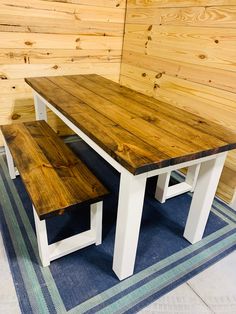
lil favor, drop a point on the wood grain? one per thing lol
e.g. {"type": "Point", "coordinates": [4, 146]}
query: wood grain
{"type": "Point", "coordinates": [182, 52]}
{"type": "Point", "coordinates": [40, 38]}
{"type": "Point", "coordinates": [214, 48]}
{"type": "Point", "coordinates": [58, 56]}
{"type": "Point", "coordinates": [57, 10]}
{"type": "Point", "coordinates": [101, 3]}
{"type": "Point", "coordinates": [210, 16]}
{"type": "Point", "coordinates": [216, 105]}
{"type": "Point", "coordinates": [176, 3]}
{"type": "Point", "coordinates": [54, 177]}
{"type": "Point", "coordinates": [166, 134]}
{"type": "Point", "coordinates": [49, 41]}
{"type": "Point", "coordinates": [219, 78]}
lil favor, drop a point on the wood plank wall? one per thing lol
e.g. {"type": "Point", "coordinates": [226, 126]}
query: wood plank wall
{"type": "Point", "coordinates": [42, 37]}
{"type": "Point", "coordinates": [184, 52]}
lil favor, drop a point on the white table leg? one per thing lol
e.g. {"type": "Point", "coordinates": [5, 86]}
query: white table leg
{"type": "Point", "coordinates": [40, 108]}
{"type": "Point", "coordinates": [130, 206]}
{"type": "Point", "coordinates": [96, 221]}
{"type": "Point", "coordinates": [203, 197]}
{"type": "Point", "coordinates": [162, 186]}
{"type": "Point", "coordinates": [10, 162]}
{"type": "Point", "coordinates": [192, 175]}
{"type": "Point", "coordinates": [164, 191]}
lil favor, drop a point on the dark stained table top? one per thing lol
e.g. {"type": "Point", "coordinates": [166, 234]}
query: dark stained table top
{"type": "Point", "coordinates": [140, 132]}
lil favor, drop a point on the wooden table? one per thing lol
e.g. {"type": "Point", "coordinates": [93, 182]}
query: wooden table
{"type": "Point", "coordinates": [140, 137]}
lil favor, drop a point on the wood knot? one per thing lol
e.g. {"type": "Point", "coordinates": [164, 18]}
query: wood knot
{"type": "Point", "coordinates": [217, 41]}
{"type": "Point", "coordinates": [159, 75]}
{"type": "Point", "coordinates": [149, 119]}
{"type": "Point", "coordinates": [202, 56]}
{"type": "Point", "coordinates": [15, 116]}
{"type": "Point", "coordinates": [144, 74]}
{"type": "Point", "coordinates": [28, 43]}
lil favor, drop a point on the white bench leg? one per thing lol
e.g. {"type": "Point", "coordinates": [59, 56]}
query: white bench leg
{"type": "Point", "coordinates": [164, 191]}
{"type": "Point", "coordinates": [96, 221]}
{"type": "Point", "coordinates": [66, 246]}
{"type": "Point", "coordinates": [10, 162]}
{"type": "Point", "coordinates": [203, 196]}
{"type": "Point", "coordinates": [42, 239]}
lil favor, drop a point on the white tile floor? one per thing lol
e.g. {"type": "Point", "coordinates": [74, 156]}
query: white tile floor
{"type": "Point", "coordinates": [212, 291]}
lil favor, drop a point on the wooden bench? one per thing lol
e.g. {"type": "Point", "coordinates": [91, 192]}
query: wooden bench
{"type": "Point", "coordinates": [55, 179]}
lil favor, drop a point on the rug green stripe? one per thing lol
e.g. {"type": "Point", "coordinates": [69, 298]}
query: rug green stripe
{"type": "Point", "coordinates": [120, 286]}
{"type": "Point", "coordinates": [223, 217]}
{"type": "Point", "coordinates": [31, 282]}
{"type": "Point", "coordinates": [225, 209]}
{"type": "Point", "coordinates": [161, 281]}
{"type": "Point", "coordinates": [96, 300]}
{"type": "Point", "coordinates": [56, 298]}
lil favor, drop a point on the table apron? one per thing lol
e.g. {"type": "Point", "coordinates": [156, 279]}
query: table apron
{"type": "Point", "coordinates": [40, 101]}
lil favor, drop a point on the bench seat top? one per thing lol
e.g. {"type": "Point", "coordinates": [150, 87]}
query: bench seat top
{"type": "Point", "coordinates": [54, 176]}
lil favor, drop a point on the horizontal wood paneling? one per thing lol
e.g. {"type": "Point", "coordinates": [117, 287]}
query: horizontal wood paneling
{"type": "Point", "coordinates": [60, 10]}
{"type": "Point", "coordinates": [200, 74]}
{"type": "Point", "coordinates": [177, 3]}
{"type": "Point", "coordinates": [13, 71]}
{"type": "Point", "coordinates": [48, 38]}
{"type": "Point", "coordinates": [207, 16]}
{"type": "Point", "coordinates": [187, 95]}
{"type": "Point", "coordinates": [216, 48]}
{"type": "Point", "coordinates": [183, 52]}
{"type": "Point", "coordinates": [97, 3]}
{"type": "Point", "coordinates": [57, 56]}
{"type": "Point", "coordinates": [56, 41]}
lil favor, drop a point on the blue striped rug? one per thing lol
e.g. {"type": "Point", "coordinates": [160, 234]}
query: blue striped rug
{"type": "Point", "coordinates": [83, 282]}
